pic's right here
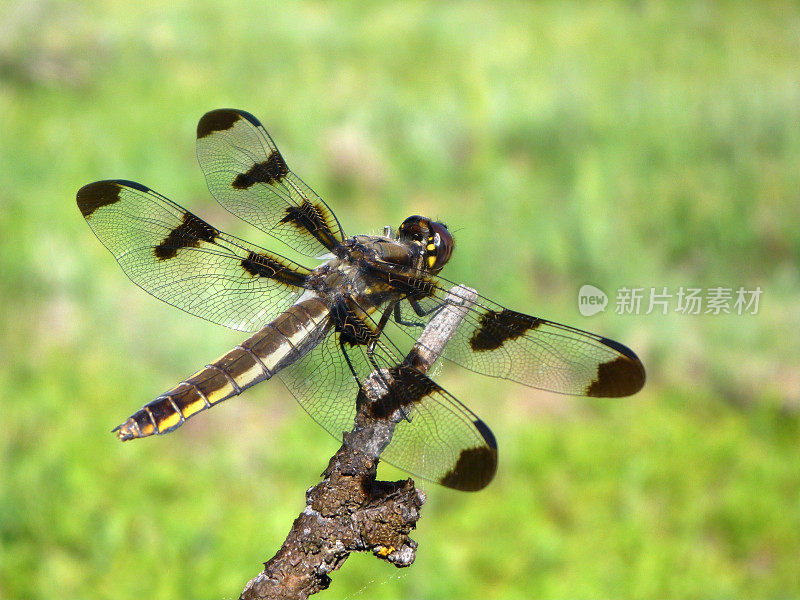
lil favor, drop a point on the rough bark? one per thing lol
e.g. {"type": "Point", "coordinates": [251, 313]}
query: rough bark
{"type": "Point", "coordinates": [349, 511]}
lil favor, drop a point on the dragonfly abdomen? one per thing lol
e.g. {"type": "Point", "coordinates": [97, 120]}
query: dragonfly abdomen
{"type": "Point", "coordinates": [279, 344]}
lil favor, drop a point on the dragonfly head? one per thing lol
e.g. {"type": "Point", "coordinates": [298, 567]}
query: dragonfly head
{"type": "Point", "coordinates": [432, 238]}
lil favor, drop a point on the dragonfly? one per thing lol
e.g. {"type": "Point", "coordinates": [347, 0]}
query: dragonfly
{"type": "Point", "coordinates": [349, 311]}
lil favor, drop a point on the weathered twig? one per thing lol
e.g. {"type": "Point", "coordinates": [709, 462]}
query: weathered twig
{"type": "Point", "coordinates": [349, 511]}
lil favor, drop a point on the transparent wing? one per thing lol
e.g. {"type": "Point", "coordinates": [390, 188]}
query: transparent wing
{"type": "Point", "coordinates": [503, 343]}
{"type": "Point", "coordinates": [437, 438]}
{"type": "Point", "coordinates": [182, 260]}
{"type": "Point", "coordinates": [246, 173]}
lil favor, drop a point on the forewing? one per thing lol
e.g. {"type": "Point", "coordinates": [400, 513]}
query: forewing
{"type": "Point", "coordinates": [499, 342]}
{"type": "Point", "coordinates": [182, 260]}
{"type": "Point", "coordinates": [247, 174]}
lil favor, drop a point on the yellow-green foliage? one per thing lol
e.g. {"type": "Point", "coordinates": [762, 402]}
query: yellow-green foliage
{"type": "Point", "coordinates": [639, 144]}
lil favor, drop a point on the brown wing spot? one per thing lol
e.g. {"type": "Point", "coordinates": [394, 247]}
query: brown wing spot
{"type": "Point", "coordinates": [496, 328]}
{"type": "Point", "coordinates": [621, 376]}
{"type": "Point", "coordinates": [270, 171]}
{"type": "Point", "coordinates": [102, 193]}
{"type": "Point", "coordinates": [415, 358]}
{"type": "Point", "coordinates": [189, 233]}
{"type": "Point", "coordinates": [264, 265]}
{"type": "Point", "coordinates": [311, 218]}
{"type": "Point", "coordinates": [216, 120]}
{"type": "Point", "coordinates": [352, 328]}
{"type": "Point", "coordinates": [407, 386]}
{"type": "Point", "coordinates": [476, 466]}
{"type": "Point", "coordinates": [416, 286]}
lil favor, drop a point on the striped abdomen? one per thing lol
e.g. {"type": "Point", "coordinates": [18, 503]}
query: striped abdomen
{"type": "Point", "coordinates": [279, 344]}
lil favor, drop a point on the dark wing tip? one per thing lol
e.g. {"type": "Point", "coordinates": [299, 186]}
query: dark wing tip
{"type": "Point", "coordinates": [222, 119]}
{"type": "Point", "coordinates": [131, 184]}
{"type": "Point", "coordinates": [102, 193]}
{"type": "Point", "coordinates": [476, 466]}
{"type": "Point", "coordinates": [95, 195]}
{"type": "Point", "coordinates": [620, 376]}
{"type": "Point", "coordinates": [475, 469]}
{"type": "Point", "coordinates": [487, 434]}
{"type": "Point", "coordinates": [621, 348]}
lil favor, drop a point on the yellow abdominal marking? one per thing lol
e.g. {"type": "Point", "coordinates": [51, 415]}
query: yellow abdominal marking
{"type": "Point", "coordinates": [297, 336]}
{"type": "Point", "coordinates": [148, 429]}
{"type": "Point", "coordinates": [220, 393]}
{"type": "Point", "coordinates": [274, 358]}
{"type": "Point", "coordinates": [250, 375]}
{"type": "Point", "coordinates": [194, 407]}
{"type": "Point", "coordinates": [170, 421]}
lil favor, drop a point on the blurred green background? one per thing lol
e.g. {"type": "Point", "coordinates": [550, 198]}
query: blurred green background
{"type": "Point", "coordinates": [619, 144]}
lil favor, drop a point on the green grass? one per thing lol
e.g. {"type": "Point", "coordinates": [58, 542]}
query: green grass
{"type": "Point", "coordinates": [638, 144]}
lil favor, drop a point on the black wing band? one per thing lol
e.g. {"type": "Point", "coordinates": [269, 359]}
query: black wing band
{"type": "Point", "coordinates": [247, 174]}
{"type": "Point", "coordinates": [182, 260]}
{"type": "Point", "coordinates": [503, 343]}
{"type": "Point", "coordinates": [436, 437]}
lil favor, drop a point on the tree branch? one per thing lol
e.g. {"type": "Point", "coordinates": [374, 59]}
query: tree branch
{"type": "Point", "coordinates": [349, 511]}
